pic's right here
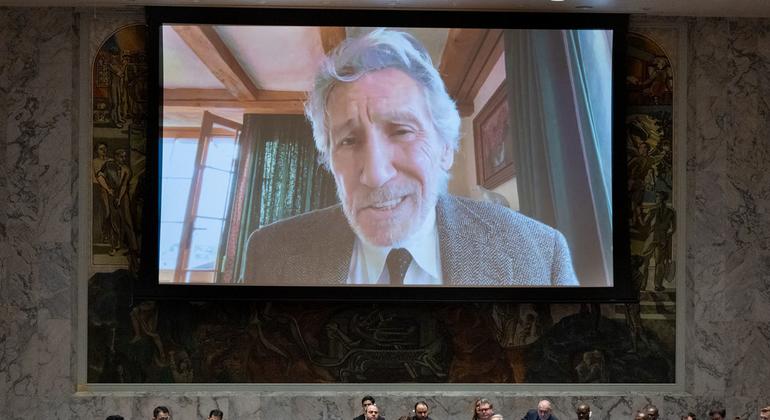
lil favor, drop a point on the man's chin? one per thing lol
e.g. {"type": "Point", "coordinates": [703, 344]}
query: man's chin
{"type": "Point", "coordinates": [382, 236]}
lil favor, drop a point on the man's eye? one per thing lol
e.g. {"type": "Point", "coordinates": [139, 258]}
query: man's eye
{"type": "Point", "coordinates": [347, 141]}
{"type": "Point", "coordinates": [401, 132]}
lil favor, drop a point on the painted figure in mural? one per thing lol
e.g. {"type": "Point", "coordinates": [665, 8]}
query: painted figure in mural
{"type": "Point", "coordinates": [144, 320]}
{"type": "Point", "coordinates": [634, 310]}
{"type": "Point", "coordinates": [644, 157]}
{"type": "Point", "coordinates": [662, 221]}
{"type": "Point", "coordinates": [591, 368]}
{"type": "Point", "coordinates": [118, 95]}
{"type": "Point", "coordinates": [123, 203]}
{"type": "Point", "coordinates": [101, 194]}
{"type": "Point", "coordinates": [543, 412]}
{"type": "Point", "coordinates": [114, 176]}
{"type": "Point", "coordinates": [657, 85]}
{"type": "Point", "coordinates": [583, 411]}
{"type": "Point", "coordinates": [385, 126]}
{"type": "Point", "coordinates": [110, 178]}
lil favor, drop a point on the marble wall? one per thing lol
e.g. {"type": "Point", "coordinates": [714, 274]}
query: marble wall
{"type": "Point", "coordinates": [726, 316]}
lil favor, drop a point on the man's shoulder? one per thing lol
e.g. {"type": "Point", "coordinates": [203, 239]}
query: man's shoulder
{"type": "Point", "coordinates": [312, 221]}
{"type": "Point", "coordinates": [500, 218]}
{"type": "Point", "coordinates": [312, 248]}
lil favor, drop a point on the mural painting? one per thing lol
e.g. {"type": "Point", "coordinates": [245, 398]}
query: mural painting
{"type": "Point", "coordinates": [119, 111]}
{"type": "Point", "coordinates": [314, 342]}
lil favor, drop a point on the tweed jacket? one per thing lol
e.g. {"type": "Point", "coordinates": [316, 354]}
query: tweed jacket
{"type": "Point", "coordinates": [481, 244]}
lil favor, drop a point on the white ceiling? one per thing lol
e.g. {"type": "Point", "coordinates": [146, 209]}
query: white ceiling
{"type": "Point", "coordinates": [731, 8]}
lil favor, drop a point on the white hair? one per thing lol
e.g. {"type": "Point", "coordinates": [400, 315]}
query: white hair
{"type": "Point", "coordinates": [377, 50]}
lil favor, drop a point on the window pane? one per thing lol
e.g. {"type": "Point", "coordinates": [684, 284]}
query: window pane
{"type": "Point", "coordinates": [170, 235]}
{"type": "Point", "coordinates": [205, 243]}
{"type": "Point", "coordinates": [180, 158]}
{"type": "Point", "coordinates": [222, 152]}
{"type": "Point", "coordinates": [173, 199]}
{"type": "Point", "coordinates": [215, 192]}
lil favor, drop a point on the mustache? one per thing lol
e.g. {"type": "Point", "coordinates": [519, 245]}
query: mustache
{"type": "Point", "coordinates": [364, 199]}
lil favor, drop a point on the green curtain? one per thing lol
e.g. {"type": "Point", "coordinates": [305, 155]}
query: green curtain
{"type": "Point", "coordinates": [285, 176]}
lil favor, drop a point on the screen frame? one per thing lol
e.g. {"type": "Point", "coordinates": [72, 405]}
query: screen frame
{"type": "Point", "coordinates": [147, 285]}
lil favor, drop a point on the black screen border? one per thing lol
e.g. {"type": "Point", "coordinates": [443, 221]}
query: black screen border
{"type": "Point", "coordinates": [147, 285]}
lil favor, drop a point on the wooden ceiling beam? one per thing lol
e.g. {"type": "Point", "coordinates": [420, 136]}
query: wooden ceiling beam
{"type": "Point", "coordinates": [468, 58]}
{"type": "Point", "coordinates": [331, 36]}
{"type": "Point", "coordinates": [266, 102]}
{"type": "Point", "coordinates": [217, 57]}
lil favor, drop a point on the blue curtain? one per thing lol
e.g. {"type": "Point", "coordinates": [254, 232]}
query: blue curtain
{"type": "Point", "coordinates": [559, 89]}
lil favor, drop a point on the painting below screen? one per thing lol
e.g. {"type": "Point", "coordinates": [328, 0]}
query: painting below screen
{"type": "Point", "coordinates": [324, 156]}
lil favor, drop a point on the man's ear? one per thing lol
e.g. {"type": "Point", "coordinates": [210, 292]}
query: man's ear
{"type": "Point", "coordinates": [447, 157]}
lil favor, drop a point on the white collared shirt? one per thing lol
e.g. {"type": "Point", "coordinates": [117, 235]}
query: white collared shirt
{"type": "Point", "coordinates": [367, 264]}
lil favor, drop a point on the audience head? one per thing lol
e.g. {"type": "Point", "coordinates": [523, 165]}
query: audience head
{"type": "Point", "coordinates": [476, 411]}
{"type": "Point", "coordinates": [583, 411]}
{"type": "Point", "coordinates": [114, 417]}
{"type": "Point", "coordinates": [652, 412]}
{"type": "Point", "coordinates": [216, 415]}
{"type": "Point", "coordinates": [371, 412]}
{"type": "Point", "coordinates": [366, 401]}
{"type": "Point", "coordinates": [421, 410]}
{"type": "Point", "coordinates": [717, 413]}
{"type": "Point", "coordinates": [640, 415]}
{"type": "Point", "coordinates": [689, 416]}
{"type": "Point", "coordinates": [543, 409]}
{"type": "Point", "coordinates": [764, 413]}
{"type": "Point", "coordinates": [485, 409]}
{"type": "Point", "coordinates": [161, 413]}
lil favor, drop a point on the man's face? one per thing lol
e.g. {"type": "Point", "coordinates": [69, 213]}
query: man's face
{"type": "Point", "coordinates": [163, 416]}
{"type": "Point", "coordinates": [652, 413]}
{"type": "Point", "coordinates": [421, 412]}
{"type": "Point", "coordinates": [215, 418]}
{"type": "Point", "coordinates": [543, 410]}
{"type": "Point", "coordinates": [485, 411]}
{"type": "Point", "coordinates": [583, 412]}
{"type": "Point", "coordinates": [385, 154]}
{"type": "Point", "coordinates": [764, 416]}
{"type": "Point", "coordinates": [372, 412]}
{"type": "Point", "coordinates": [366, 403]}
{"type": "Point", "coordinates": [717, 416]}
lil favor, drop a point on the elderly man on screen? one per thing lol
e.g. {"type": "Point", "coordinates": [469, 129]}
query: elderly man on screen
{"type": "Point", "coordinates": [386, 128]}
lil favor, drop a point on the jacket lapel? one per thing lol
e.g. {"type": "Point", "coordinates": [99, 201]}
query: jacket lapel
{"type": "Point", "coordinates": [470, 253]}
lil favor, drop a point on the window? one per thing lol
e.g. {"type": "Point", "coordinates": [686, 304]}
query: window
{"type": "Point", "coordinates": [194, 230]}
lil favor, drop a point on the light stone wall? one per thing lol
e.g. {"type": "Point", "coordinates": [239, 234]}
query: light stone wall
{"type": "Point", "coordinates": [726, 315]}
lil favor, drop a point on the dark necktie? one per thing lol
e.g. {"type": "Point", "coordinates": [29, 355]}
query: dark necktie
{"type": "Point", "coordinates": [398, 262]}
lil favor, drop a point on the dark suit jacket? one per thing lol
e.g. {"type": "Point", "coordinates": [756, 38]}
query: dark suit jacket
{"type": "Point", "coordinates": [532, 415]}
{"type": "Point", "coordinates": [362, 417]}
{"type": "Point", "coordinates": [481, 244]}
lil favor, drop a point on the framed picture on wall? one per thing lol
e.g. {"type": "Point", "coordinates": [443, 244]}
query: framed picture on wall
{"type": "Point", "coordinates": [492, 141]}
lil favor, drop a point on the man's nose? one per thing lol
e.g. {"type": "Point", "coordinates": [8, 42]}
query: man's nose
{"type": "Point", "coordinates": [377, 161]}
